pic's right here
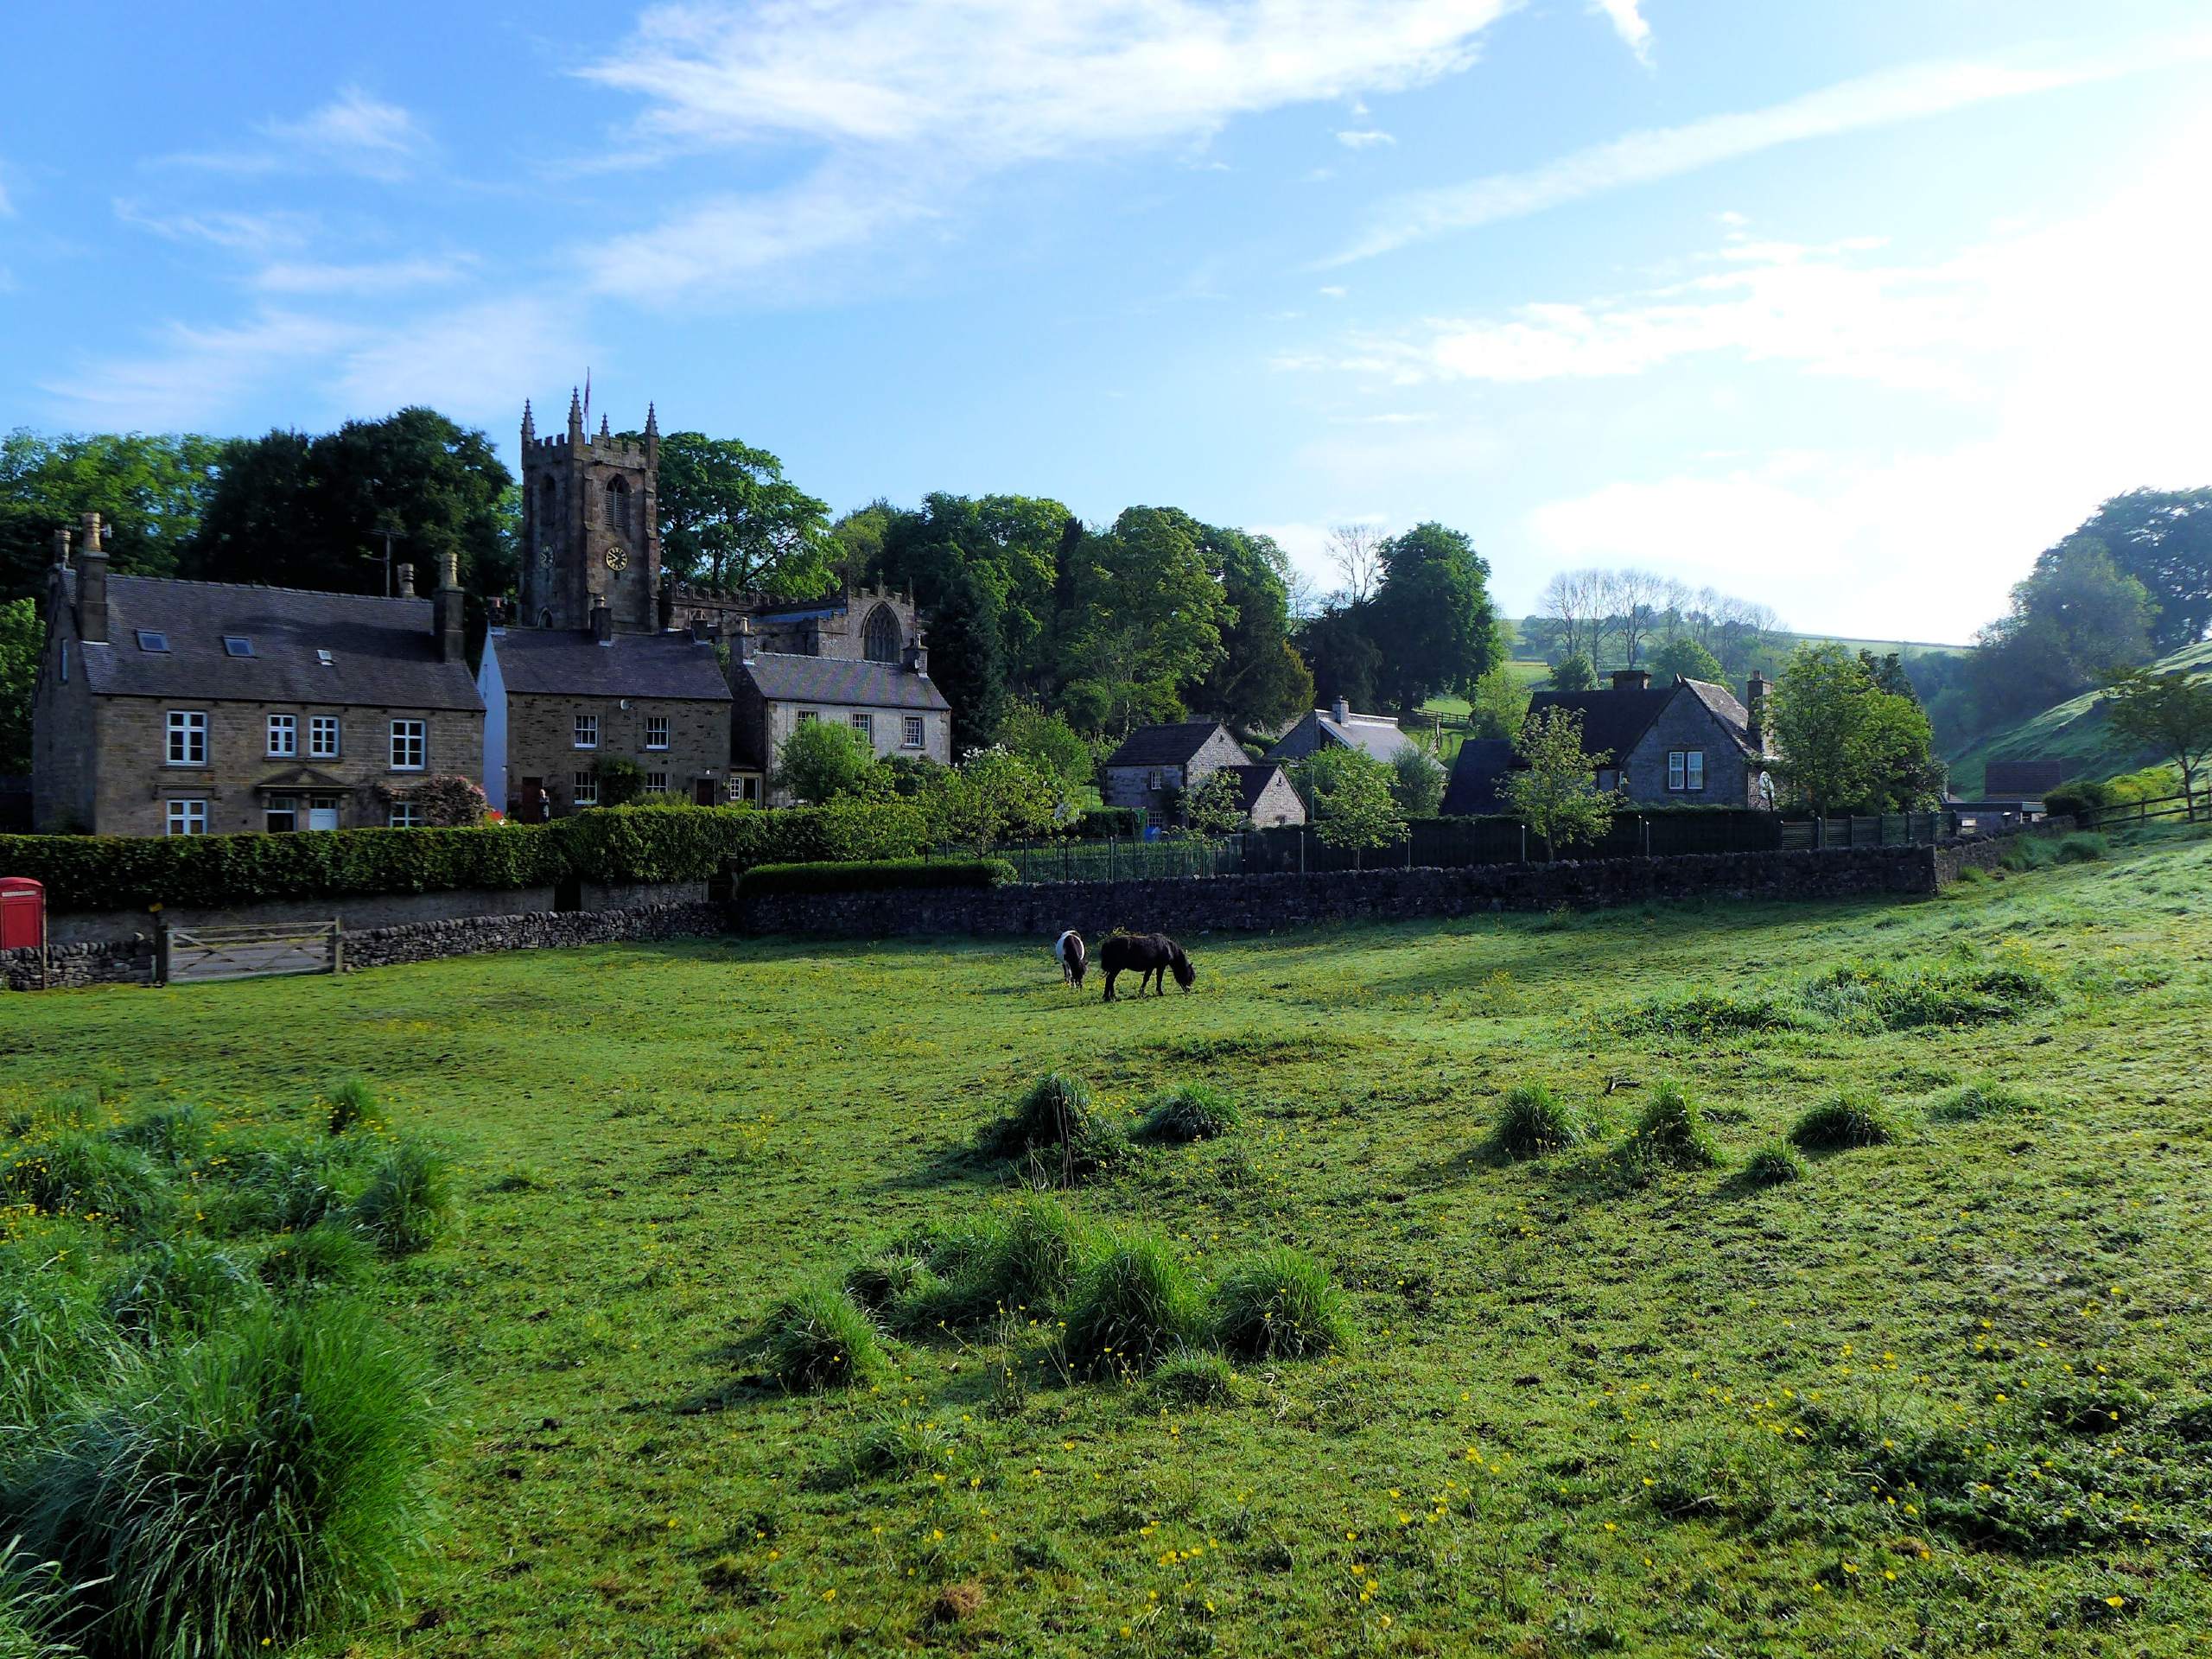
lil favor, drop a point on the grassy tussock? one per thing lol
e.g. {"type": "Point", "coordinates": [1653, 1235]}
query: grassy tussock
{"type": "Point", "coordinates": [1972, 1101]}
{"type": "Point", "coordinates": [1281, 1304]}
{"type": "Point", "coordinates": [78, 1172]}
{"type": "Point", "coordinates": [331, 1256]}
{"type": "Point", "coordinates": [237, 1493]}
{"type": "Point", "coordinates": [1055, 1124]}
{"type": "Point", "coordinates": [1132, 1303]}
{"type": "Point", "coordinates": [1195, 1377]}
{"type": "Point", "coordinates": [408, 1199]}
{"type": "Point", "coordinates": [180, 1290]}
{"type": "Point", "coordinates": [1672, 1132]}
{"type": "Point", "coordinates": [1535, 1123]}
{"type": "Point", "coordinates": [1191, 1111]}
{"type": "Point", "coordinates": [821, 1338]}
{"type": "Point", "coordinates": [352, 1104]}
{"type": "Point", "coordinates": [1774, 1165]}
{"type": "Point", "coordinates": [1850, 1119]}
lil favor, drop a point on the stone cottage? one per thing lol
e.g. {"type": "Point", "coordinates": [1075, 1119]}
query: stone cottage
{"type": "Point", "coordinates": [1157, 767]}
{"type": "Point", "coordinates": [1689, 744]}
{"type": "Point", "coordinates": [1338, 728]}
{"type": "Point", "coordinates": [193, 707]}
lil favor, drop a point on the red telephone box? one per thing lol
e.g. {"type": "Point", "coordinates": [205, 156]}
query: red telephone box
{"type": "Point", "coordinates": [23, 913]}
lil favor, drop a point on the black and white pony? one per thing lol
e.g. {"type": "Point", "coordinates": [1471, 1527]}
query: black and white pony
{"type": "Point", "coordinates": [1151, 956]}
{"type": "Point", "coordinates": [1068, 951]}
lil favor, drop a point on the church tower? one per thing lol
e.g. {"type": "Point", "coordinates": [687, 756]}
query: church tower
{"type": "Point", "coordinates": [590, 526]}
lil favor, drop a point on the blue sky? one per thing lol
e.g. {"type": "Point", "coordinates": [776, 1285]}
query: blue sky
{"type": "Point", "coordinates": [1850, 308]}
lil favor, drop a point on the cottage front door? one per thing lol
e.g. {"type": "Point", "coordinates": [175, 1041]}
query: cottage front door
{"type": "Point", "coordinates": [323, 811]}
{"type": "Point", "coordinates": [702, 791]}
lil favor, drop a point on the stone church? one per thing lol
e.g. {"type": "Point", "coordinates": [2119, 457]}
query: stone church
{"type": "Point", "coordinates": [607, 656]}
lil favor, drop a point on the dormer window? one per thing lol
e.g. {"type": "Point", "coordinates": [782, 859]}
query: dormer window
{"type": "Point", "coordinates": [236, 645]}
{"type": "Point", "coordinates": [152, 639]}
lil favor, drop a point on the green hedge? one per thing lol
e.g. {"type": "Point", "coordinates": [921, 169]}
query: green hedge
{"type": "Point", "coordinates": [621, 844]}
{"type": "Point", "coordinates": [1099, 823]}
{"type": "Point", "coordinates": [876, 875]}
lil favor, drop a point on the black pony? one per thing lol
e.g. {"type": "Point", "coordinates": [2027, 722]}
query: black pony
{"type": "Point", "coordinates": [1152, 956]}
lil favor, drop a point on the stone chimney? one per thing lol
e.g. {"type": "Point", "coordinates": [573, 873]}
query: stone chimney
{"type": "Point", "coordinates": [744, 639]}
{"type": "Point", "coordinates": [1631, 679]}
{"type": "Point", "coordinates": [918, 655]}
{"type": "Point", "coordinates": [452, 636]}
{"type": "Point", "coordinates": [1755, 708]}
{"type": "Point", "coordinates": [61, 547]}
{"type": "Point", "coordinates": [704, 633]}
{"type": "Point", "coordinates": [602, 621]}
{"type": "Point", "coordinates": [1340, 711]}
{"type": "Point", "coordinates": [407, 582]}
{"type": "Point", "coordinates": [91, 582]}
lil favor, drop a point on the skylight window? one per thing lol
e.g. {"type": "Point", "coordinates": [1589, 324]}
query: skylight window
{"type": "Point", "coordinates": [236, 645]}
{"type": "Point", "coordinates": [326, 658]}
{"type": "Point", "coordinates": [152, 639]}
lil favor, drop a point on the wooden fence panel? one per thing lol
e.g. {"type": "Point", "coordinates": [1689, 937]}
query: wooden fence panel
{"type": "Point", "coordinates": [250, 951]}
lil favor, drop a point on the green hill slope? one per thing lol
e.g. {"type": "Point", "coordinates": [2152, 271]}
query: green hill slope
{"type": "Point", "coordinates": [2077, 731]}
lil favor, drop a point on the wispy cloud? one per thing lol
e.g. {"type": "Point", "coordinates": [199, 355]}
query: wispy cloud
{"type": "Point", "coordinates": [1628, 21]}
{"type": "Point", "coordinates": [257, 235]}
{"type": "Point", "coordinates": [372, 277]}
{"type": "Point", "coordinates": [1913, 92]}
{"type": "Point", "coordinates": [1365, 138]}
{"type": "Point", "coordinates": [354, 132]}
{"type": "Point", "coordinates": [910, 102]}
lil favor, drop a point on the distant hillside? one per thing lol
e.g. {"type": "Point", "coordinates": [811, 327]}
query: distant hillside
{"type": "Point", "coordinates": [2077, 731]}
{"type": "Point", "coordinates": [1789, 642]}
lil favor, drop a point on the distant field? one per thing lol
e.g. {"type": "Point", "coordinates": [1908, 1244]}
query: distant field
{"type": "Point", "coordinates": [1945, 1395]}
{"type": "Point", "coordinates": [2076, 732]}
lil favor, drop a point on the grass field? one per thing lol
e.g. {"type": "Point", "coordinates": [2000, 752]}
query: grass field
{"type": "Point", "coordinates": [2078, 731]}
{"type": "Point", "coordinates": [1946, 1394]}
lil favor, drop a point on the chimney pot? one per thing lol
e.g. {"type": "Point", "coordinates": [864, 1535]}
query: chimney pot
{"type": "Point", "coordinates": [91, 585]}
{"type": "Point", "coordinates": [1340, 711]}
{"type": "Point", "coordinates": [602, 621]}
{"type": "Point", "coordinates": [1755, 691]}
{"type": "Point", "coordinates": [407, 582]}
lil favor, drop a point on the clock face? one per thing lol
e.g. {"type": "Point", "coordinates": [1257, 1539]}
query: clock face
{"type": "Point", "coordinates": [617, 560]}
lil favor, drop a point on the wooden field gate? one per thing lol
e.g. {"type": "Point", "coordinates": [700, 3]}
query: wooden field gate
{"type": "Point", "coordinates": [253, 950]}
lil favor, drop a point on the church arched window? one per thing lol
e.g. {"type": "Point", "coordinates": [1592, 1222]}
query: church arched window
{"type": "Point", "coordinates": [547, 529]}
{"type": "Point", "coordinates": [882, 636]}
{"type": "Point", "coordinates": [617, 505]}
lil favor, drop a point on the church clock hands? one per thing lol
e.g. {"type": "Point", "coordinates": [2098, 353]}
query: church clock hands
{"type": "Point", "coordinates": [617, 560]}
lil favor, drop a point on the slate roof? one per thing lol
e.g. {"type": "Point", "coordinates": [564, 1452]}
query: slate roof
{"type": "Point", "coordinates": [568, 662]}
{"type": "Point", "coordinates": [1477, 772]}
{"type": "Point", "coordinates": [1731, 714]}
{"type": "Point", "coordinates": [783, 676]}
{"type": "Point", "coordinates": [1252, 781]}
{"type": "Point", "coordinates": [1614, 721]}
{"type": "Point", "coordinates": [1163, 746]}
{"type": "Point", "coordinates": [384, 652]}
{"type": "Point", "coordinates": [1374, 735]}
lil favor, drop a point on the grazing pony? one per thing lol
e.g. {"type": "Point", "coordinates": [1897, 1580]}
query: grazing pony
{"type": "Point", "coordinates": [1151, 956]}
{"type": "Point", "coordinates": [1068, 951]}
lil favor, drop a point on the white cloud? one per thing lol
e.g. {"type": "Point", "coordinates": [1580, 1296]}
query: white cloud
{"type": "Point", "coordinates": [1912, 92]}
{"type": "Point", "coordinates": [197, 372]}
{"type": "Point", "coordinates": [1365, 138]}
{"type": "Point", "coordinates": [374, 276]}
{"type": "Point", "coordinates": [259, 235]}
{"type": "Point", "coordinates": [2085, 371]}
{"type": "Point", "coordinates": [903, 103]}
{"type": "Point", "coordinates": [1331, 291]}
{"type": "Point", "coordinates": [1628, 21]}
{"type": "Point", "coordinates": [468, 362]}
{"type": "Point", "coordinates": [354, 132]}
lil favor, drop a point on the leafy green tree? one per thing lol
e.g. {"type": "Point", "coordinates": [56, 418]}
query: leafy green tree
{"type": "Point", "coordinates": [821, 760]}
{"type": "Point", "coordinates": [731, 521]}
{"type": "Point", "coordinates": [1574, 674]}
{"type": "Point", "coordinates": [22, 636]}
{"type": "Point", "coordinates": [1685, 659]}
{"type": "Point", "coordinates": [2076, 615]}
{"type": "Point", "coordinates": [1433, 620]}
{"type": "Point", "coordinates": [149, 489]}
{"type": "Point", "coordinates": [1258, 683]}
{"type": "Point", "coordinates": [995, 796]}
{"type": "Point", "coordinates": [1417, 781]}
{"type": "Point", "coordinates": [1555, 790]}
{"type": "Point", "coordinates": [1046, 741]}
{"type": "Point", "coordinates": [1344, 659]}
{"type": "Point", "coordinates": [1215, 807]}
{"type": "Point", "coordinates": [300, 512]}
{"type": "Point", "coordinates": [2163, 539]}
{"type": "Point", "coordinates": [1498, 705]}
{"type": "Point", "coordinates": [2170, 713]}
{"type": "Point", "coordinates": [1347, 793]}
{"type": "Point", "coordinates": [1146, 618]}
{"type": "Point", "coordinates": [1847, 745]}
{"type": "Point", "coordinates": [621, 781]}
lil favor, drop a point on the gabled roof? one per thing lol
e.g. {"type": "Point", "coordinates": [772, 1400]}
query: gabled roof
{"type": "Point", "coordinates": [785, 677]}
{"type": "Point", "coordinates": [1477, 772]}
{"type": "Point", "coordinates": [1164, 746]}
{"type": "Point", "coordinates": [1376, 734]}
{"type": "Point", "coordinates": [568, 662]}
{"type": "Point", "coordinates": [1252, 781]}
{"type": "Point", "coordinates": [1612, 720]}
{"type": "Point", "coordinates": [1728, 714]}
{"type": "Point", "coordinates": [384, 652]}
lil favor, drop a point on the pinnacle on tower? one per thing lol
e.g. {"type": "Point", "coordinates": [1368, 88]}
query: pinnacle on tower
{"type": "Point", "coordinates": [653, 422]}
{"type": "Point", "coordinates": [576, 413]}
{"type": "Point", "coordinates": [603, 432]}
{"type": "Point", "coordinates": [529, 423]}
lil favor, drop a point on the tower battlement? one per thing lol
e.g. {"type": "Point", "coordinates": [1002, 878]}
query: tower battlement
{"type": "Point", "coordinates": [591, 527]}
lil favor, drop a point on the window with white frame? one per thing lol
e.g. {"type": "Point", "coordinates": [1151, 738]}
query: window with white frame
{"type": "Point", "coordinates": [282, 815]}
{"type": "Point", "coordinates": [406, 815]}
{"type": "Point", "coordinates": [322, 737]}
{"type": "Point", "coordinates": [656, 731]}
{"type": "Point", "coordinates": [655, 783]}
{"type": "Point", "coordinates": [913, 732]}
{"type": "Point", "coordinates": [587, 789]}
{"type": "Point", "coordinates": [187, 817]}
{"type": "Point", "coordinates": [284, 736]}
{"type": "Point", "coordinates": [411, 745]}
{"type": "Point", "coordinates": [1684, 770]}
{"type": "Point", "coordinates": [808, 716]}
{"type": "Point", "coordinates": [864, 725]}
{"type": "Point", "coordinates": [188, 738]}
{"type": "Point", "coordinates": [587, 731]}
